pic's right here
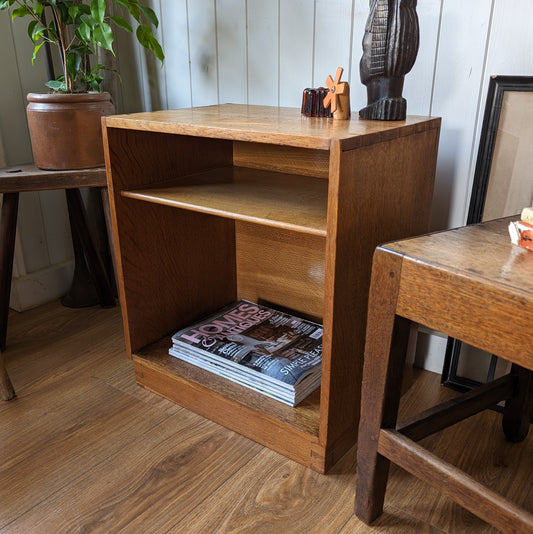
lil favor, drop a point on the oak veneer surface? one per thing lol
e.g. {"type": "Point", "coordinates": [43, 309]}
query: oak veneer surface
{"type": "Point", "coordinates": [84, 449]}
{"type": "Point", "coordinates": [274, 199]}
{"type": "Point", "coordinates": [197, 194]}
{"type": "Point", "coordinates": [267, 124]}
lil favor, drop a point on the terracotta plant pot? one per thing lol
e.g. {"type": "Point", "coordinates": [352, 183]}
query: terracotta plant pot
{"type": "Point", "coordinates": [65, 129]}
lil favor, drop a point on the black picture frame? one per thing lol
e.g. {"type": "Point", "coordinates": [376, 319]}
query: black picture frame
{"type": "Point", "coordinates": [498, 88]}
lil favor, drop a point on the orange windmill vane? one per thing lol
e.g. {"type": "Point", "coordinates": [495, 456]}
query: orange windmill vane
{"type": "Point", "coordinates": [338, 96]}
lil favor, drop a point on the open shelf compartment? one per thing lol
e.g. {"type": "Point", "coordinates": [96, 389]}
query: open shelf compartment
{"type": "Point", "coordinates": [271, 198]}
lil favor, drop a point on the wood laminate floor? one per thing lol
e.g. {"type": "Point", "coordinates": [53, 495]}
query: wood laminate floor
{"type": "Point", "coordinates": [83, 449]}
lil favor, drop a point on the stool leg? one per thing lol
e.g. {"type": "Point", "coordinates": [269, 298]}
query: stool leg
{"type": "Point", "coordinates": [519, 408]}
{"type": "Point", "coordinates": [8, 229]}
{"type": "Point", "coordinates": [82, 290]}
{"type": "Point", "coordinates": [7, 391]}
{"type": "Point", "coordinates": [109, 229]}
{"type": "Point", "coordinates": [385, 352]}
{"type": "Point", "coordinates": [97, 270]}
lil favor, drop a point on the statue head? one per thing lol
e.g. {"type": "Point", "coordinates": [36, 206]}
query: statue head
{"type": "Point", "coordinates": [390, 47]}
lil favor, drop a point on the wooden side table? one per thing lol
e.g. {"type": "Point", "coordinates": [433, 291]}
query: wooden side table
{"type": "Point", "coordinates": [29, 178]}
{"type": "Point", "coordinates": [470, 283]}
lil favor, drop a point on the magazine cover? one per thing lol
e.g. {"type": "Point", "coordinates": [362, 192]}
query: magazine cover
{"type": "Point", "coordinates": [252, 339]}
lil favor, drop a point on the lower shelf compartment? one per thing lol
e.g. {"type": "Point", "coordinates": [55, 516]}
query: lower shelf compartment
{"type": "Point", "coordinates": [291, 431]}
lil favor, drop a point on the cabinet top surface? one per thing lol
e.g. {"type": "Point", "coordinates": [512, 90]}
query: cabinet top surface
{"type": "Point", "coordinates": [266, 124]}
{"type": "Point", "coordinates": [481, 252]}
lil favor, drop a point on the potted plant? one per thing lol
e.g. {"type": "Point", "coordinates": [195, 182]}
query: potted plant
{"type": "Point", "coordinates": [71, 112]}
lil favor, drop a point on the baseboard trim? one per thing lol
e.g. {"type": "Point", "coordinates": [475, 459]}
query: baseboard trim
{"type": "Point", "coordinates": [40, 287]}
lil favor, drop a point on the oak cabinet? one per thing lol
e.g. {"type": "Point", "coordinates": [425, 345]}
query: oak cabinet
{"type": "Point", "coordinates": [213, 204]}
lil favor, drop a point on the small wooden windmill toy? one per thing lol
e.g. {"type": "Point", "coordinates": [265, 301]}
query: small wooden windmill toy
{"type": "Point", "coordinates": [338, 97]}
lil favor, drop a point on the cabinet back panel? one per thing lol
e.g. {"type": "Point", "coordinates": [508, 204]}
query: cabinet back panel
{"type": "Point", "coordinates": [279, 158]}
{"type": "Point", "coordinates": [281, 267]}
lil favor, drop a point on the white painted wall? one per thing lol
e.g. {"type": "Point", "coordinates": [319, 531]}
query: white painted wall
{"type": "Point", "coordinates": [267, 52]}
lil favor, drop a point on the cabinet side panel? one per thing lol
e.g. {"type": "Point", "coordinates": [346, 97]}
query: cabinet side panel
{"type": "Point", "coordinates": [281, 267]}
{"type": "Point", "coordinates": [165, 255]}
{"type": "Point", "coordinates": [177, 266]}
{"type": "Point", "coordinates": [378, 193]}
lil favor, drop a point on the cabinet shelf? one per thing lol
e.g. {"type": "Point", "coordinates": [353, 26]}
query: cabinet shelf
{"type": "Point", "coordinates": [303, 418]}
{"type": "Point", "coordinates": [216, 204]}
{"type": "Point", "coordinates": [275, 199]}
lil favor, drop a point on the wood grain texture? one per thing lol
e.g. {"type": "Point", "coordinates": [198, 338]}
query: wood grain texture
{"type": "Point", "coordinates": [467, 272]}
{"type": "Point", "coordinates": [431, 276]}
{"type": "Point", "coordinates": [380, 388]}
{"type": "Point", "coordinates": [86, 450]}
{"type": "Point", "coordinates": [29, 178]}
{"type": "Point", "coordinates": [281, 200]}
{"type": "Point", "coordinates": [286, 159]}
{"type": "Point", "coordinates": [282, 268]}
{"type": "Point", "coordinates": [289, 432]}
{"type": "Point", "coordinates": [202, 215]}
{"type": "Point", "coordinates": [265, 124]}
{"type": "Point", "coordinates": [150, 274]}
{"type": "Point", "coordinates": [377, 192]}
{"type": "Point", "coordinates": [451, 481]}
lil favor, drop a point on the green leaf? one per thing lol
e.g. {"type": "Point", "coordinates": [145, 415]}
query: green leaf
{"type": "Point", "coordinates": [31, 28]}
{"type": "Point", "coordinates": [147, 39]}
{"type": "Point", "coordinates": [73, 12]}
{"type": "Point", "coordinates": [21, 11]}
{"type": "Point", "coordinates": [98, 10]}
{"type": "Point", "coordinates": [94, 84]}
{"type": "Point", "coordinates": [83, 33]}
{"type": "Point", "coordinates": [36, 30]}
{"type": "Point", "coordinates": [39, 8]}
{"type": "Point", "coordinates": [143, 35]}
{"type": "Point", "coordinates": [157, 50]}
{"type": "Point", "coordinates": [73, 64]}
{"type": "Point", "coordinates": [5, 4]}
{"type": "Point", "coordinates": [35, 50]}
{"type": "Point", "coordinates": [132, 6]}
{"type": "Point", "coordinates": [56, 85]}
{"type": "Point", "coordinates": [89, 20]}
{"type": "Point", "coordinates": [122, 23]}
{"type": "Point", "coordinates": [103, 36]}
{"type": "Point", "coordinates": [82, 48]}
{"type": "Point", "coordinates": [150, 15]}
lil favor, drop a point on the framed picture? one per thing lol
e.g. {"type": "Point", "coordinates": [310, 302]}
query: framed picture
{"type": "Point", "coordinates": [503, 185]}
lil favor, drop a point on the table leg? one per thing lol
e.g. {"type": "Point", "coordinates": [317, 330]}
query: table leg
{"type": "Point", "coordinates": [8, 228]}
{"type": "Point", "coordinates": [519, 408]}
{"type": "Point", "coordinates": [385, 352]}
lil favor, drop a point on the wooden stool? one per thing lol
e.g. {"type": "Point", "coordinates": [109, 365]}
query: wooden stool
{"type": "Point", "coordinates": [469, 283]}
{"type": "Point", "coordinates": [29, 178]}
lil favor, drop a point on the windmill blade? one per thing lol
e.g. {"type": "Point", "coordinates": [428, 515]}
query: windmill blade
{"type": "Point", "coordinates": [338, 75]}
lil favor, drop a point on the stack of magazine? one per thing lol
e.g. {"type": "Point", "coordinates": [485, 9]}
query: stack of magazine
{"type": "Point", "coordinates": [264, 349]}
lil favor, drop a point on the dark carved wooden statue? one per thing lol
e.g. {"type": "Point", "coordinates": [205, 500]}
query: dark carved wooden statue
{"type": "Point", "coordinates": [390, 47]}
